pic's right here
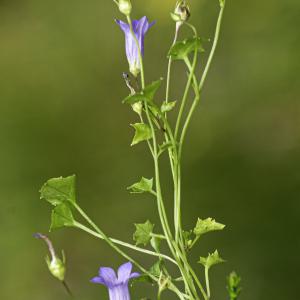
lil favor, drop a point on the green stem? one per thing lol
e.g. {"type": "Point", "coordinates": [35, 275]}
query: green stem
{"type": "Point", "coordinates": [207, 282]}
{"type": "Point", "coordinates": [121, 243]}
{"type": "Point", "coordinates": [160, 204]}
{"type": "Point", "coordinates": [203, 78]}
{"type": "Point", "coordinates": [108, 240]}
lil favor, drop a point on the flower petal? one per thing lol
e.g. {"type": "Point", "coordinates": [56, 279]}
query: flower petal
{"type": "Point", "coordinates": [134, 275]}
{"type": "Point", "coordinates": [108, 276]}
{"type": "Point", "coordinates": [124, 272]}
{"type": "Point", "coordinates": [124, 26]}
{"type": "Point", "coordinates": [98, 280]}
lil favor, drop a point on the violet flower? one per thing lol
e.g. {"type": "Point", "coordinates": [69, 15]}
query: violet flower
{"type": "Point", "coordinates": [117, 285]}
{"type": "Point", "coordinates": [140, 28]}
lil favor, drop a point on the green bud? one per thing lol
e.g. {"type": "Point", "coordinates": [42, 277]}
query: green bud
{"type": "Point", "coordinates": [125, 7]}
{"type": "Point", "coordinates": [57, 267]}
{"type": "Point", "coordinates": [182, 12]}
{"type": "Point", "coordinates": [138, 107]}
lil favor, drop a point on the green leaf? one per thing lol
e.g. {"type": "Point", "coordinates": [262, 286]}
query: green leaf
{"type": "Point", "coordinates": [155, 270]}
{"type": "Point", "coordinates": [233, 286]}
{"type": "Point", "coordinates": [211, 260]}
{"type": "Point", "coordinates": [143, 232]}
{"type": "Point", "coordinates": [59, 190]}
{"type": "Point", "coordinates": [187, 238]}
{"type": "Point", "coordinates": [167, 106]}
{"type": "Point", "coordinates": [207, 225]}
{"type": "Point", "coordinates": [131, 99]}
{"type": "Point", "coordinates": [143, 186]}
{"type": "Point", "coordinates": [61, 217]}
{"type": "Point", "coordinates": [182, 49]}
{"type": "Point", "coordinates": [155, 243]}
{"type": "Point", "coordinates": [142, 133]}
{"type": "Point", "coordinates": [151, 89]}
{"type": "Point", "coordinates": [146, 95]}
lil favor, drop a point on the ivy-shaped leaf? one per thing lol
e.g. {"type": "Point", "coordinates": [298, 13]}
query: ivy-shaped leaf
{"type": "Point", "coordinates": [143, 186]}
{"type": "Point", "coordinates": [146, 95]}
{"type": "Point", "coordinates": [207, 225]}
{"type": "Point", "coordinates": [142, 133]}
{"type": "Point", "coordinates": [167, 106]}
{"type": "Point", "coordinates": [59, 190]}
{"type": "Point", "coordinates": [211, 260]}
{"type": "Point", "coordinates": [143, 232]}
{"type": "Point", "coordinates": [182, 49]}
{"type": "Point", "coordinates": [151, 89]}
{"type": "Point", "coordinates": [61, 216]}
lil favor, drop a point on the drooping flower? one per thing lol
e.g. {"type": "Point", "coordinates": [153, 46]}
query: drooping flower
{"type": "Point", "coordinates": [117, 284]}
{"type": "Point", "coordinates": [140, 28]}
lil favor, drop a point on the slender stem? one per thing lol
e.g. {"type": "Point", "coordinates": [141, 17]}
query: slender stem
{"type": "Point", "coordinates": [109, 241]}
{"type": "Point", "coordinates": [203, 78]}
{"type": "Point", "coordinates": [214, 46]}
{"type": "Point", "coordinates": [67, 288]}
{"type": "Point", "coordinates": [207, 282]}
{"type": "Point", "coordinates": [161, 209]}
{"type": "Point", "coordinates": [127, 245]}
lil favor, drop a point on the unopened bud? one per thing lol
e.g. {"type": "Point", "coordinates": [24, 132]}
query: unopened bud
{"type": "Point", "coordinates": [125, 7]}
{"type": "Point", "coordinates": [182, 12]}
{"type": "Point", "coordinates": [138, 107]}
{"type": "Point", "coordinates": [56, 267]}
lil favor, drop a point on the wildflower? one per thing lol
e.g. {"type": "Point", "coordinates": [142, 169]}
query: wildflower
{"type": "Point", "coordinates": [117, 285]}
{"type": "Point", "coordinates": [140, 28]}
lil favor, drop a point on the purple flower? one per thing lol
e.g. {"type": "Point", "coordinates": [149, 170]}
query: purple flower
{"type": "Point", "coordinates": [140, 27]}
{"type": "Point", "coordinates": [117, 286]}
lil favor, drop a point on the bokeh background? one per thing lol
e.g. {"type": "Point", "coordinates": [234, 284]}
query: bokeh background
{"type": "Point", "coordinates": [61, 113]}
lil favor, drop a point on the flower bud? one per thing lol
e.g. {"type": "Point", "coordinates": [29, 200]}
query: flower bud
{"type": "Point", "coordinates": [138, 107]}
{"type": "Point", "coordinates": [182, 12]}
{"type": "Point", "coordinates": [56, 267]}
{"type": "Point", "coordinates": [125, 7]}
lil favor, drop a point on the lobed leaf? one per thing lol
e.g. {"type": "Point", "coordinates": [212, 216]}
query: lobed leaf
{"type": "Point", "coordinates": [142, 133]}
{"type": "Point", "coordinates": [143, 186]}
{"type": "Point", "coordinates": [207, 225]}
{"type": "Point", "coordinates": [182, 49]}
{"type": "Point", "coordinates": [211, 260]}
{"type": "Point", "coordinates": [143, 232]}
{"type": "Point", "coordinates": [167, 106]}
{"type": "Point", "coordinates": [59, 190]}
{"type": "Point", "coordinates": [61, 216]}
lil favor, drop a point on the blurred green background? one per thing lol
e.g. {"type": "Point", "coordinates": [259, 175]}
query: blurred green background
{"type": "Point", "coordinates": [61, 113]}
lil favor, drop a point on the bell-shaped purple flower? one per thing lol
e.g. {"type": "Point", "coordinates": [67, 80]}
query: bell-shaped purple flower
{"type": "Point", "coordinates": [140, 28]}
{"type": "Point", "coordinates": [117, 284]}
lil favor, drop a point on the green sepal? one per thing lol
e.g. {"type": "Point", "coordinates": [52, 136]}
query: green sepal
{"type": "Point", "coordinates": [143, 186]}
{"type": "Point", "coordinates": [142, 133]}
{"type": "Point", "coordinates": [211, 260]}
{"type": "Point", "coordinates": [207, 225]}
{"type": "Point", "coordinates": [59, 190]}
{"type": "Point", "coordinates": [222, 3]}
{"type": "Point", "coordinates": [182, 49]}
{"type": "Point", "coordinates": [167, 106]}
{"type": "Point", "coordinates": [143, 233]}
{"type": "Point", "coordinates": [61, 217]}
{"type": "Point", "coordinates": [56, 267]}
{"type": "Point", "coordinates": [233, 286]}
